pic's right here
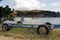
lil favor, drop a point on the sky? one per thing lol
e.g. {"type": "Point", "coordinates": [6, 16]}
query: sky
{"type": "Point", "coordinates": [51, 5]}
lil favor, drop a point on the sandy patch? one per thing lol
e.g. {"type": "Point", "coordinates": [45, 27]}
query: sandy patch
{"type": "Point", "coordinates": [10, 38]}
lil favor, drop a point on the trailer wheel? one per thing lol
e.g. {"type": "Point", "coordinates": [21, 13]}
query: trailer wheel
{"type": "Point", "coordinates": [49, 25]}
{"type": "Point", "coordinates": [42, 30]}
{"type": "Point", "coordinates": [5, 27]}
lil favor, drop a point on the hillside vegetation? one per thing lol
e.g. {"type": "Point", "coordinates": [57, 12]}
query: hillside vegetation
{"type": "Point", "coordinates": [38, 13]}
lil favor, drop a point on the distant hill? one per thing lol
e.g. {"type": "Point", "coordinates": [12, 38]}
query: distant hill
{"type": "Point", "coordinates": [38, 13]}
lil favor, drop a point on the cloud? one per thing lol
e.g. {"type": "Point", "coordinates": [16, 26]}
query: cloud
{"type": "Point", "coordinates": [55, 4]}
{"type": "Point", "coordinates": [28, 4]}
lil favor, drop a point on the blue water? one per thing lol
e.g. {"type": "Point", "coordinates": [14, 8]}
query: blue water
{"type": "Point", "coordinates": [57, 26]}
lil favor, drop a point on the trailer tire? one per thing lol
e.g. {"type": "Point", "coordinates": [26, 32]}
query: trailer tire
{"type": "Point", "coordinates": [46, 28]}
{"type": "Point", "coordinates": [49, 25]}
{"type": "Point", "coordinates": [5, 27]}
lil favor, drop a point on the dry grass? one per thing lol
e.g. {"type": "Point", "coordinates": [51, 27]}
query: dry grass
{"type": "Point", "coordinates": [27, 34]}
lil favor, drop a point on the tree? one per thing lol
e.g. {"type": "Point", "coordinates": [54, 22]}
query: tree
{"type": "Point", "coordinates": [0, 0]}
{"type": "Point", "coordinates": [6, 11]}
{"type": "Point", "coordinates": [1, 11]}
